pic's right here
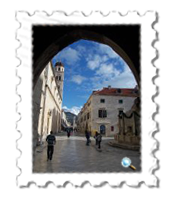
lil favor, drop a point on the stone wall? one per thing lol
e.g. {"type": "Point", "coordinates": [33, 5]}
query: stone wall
{"type": "Point", "coordinates": [46, 106]}
{"type": "Point", "coordinates": [112, 106]}
{"type": "Point", "coordinates": [126, 139]}
{"type": "Point", "coordinates": [83, 122]}
{"type": "Point", "coordinates": [130, 125]}
{"type": "Point", "coordinates": [64, 121]}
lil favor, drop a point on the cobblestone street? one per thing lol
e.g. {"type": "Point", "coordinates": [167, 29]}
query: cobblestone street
{"type": "Point", "coordinates": [72, 155]}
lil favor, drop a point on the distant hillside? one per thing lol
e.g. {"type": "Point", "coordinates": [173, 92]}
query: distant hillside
{"type": "Point", "coordinates": [70, 116]}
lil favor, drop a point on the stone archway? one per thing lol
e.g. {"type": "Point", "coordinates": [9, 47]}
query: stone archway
{"type": "Point", "coordinates": [52, 48]}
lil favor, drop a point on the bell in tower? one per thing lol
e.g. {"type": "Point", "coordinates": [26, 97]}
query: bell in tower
{"type": "Point", "coordinates": [59, 74]}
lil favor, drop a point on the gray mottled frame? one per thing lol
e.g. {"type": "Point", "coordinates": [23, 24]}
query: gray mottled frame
{"type": "Point", "coordinates": [157, 116]}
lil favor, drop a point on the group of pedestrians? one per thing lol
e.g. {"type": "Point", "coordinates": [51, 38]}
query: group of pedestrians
{"type": "Point", "coordinates": [98, 138]}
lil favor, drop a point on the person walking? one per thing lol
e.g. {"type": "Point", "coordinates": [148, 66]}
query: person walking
{"type": "Point", "coordinates": [99, 139]}
{"type": "Point", "coordinates": [96, 134]}
{"type": "Point", "coordinates": [87, 134]}
{"type": "Point", "coordinates": [68, 132]}
{"type": "Point", "coordinates": [51, 141]}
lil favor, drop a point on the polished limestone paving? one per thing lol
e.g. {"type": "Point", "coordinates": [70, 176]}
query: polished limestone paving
{"type": "Point", "coordinates": [71, 155]}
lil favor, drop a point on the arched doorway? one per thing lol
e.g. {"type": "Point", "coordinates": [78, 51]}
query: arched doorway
{"type": "Point", "coordinates": [102, 129]}
{"type": "Point", "coordinates": [45, 49]}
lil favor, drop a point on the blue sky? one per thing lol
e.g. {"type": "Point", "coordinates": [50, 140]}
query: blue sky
{"type": "Point", "coordinates": [90, 66]}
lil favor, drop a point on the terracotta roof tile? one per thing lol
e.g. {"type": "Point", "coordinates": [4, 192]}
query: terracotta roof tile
{"type": "Point", "coordinates": [117, 92]}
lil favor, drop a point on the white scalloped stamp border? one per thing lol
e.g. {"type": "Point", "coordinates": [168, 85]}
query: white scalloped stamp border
{"type": "Point", "coordinates": [22, 23]}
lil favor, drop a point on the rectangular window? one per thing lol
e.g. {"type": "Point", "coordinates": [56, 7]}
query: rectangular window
{"type": "Point", "coordinates": [112, 128]}
{"type": "Point", "coordinates": [102, 113]}
{"type": "Point", "coordinates": [59, 78]}
{"type": "Point", "coordinates": [120, 101]}
{"type": "Point", "coordinates": [102, 100]}
{"type": "Point", "coordinates": [88, 116]}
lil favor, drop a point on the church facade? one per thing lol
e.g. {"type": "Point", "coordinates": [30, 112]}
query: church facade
{"type": "Point", "coordinates": [47, 102]}
{"type": "Point", "coordinates": [100, 112]}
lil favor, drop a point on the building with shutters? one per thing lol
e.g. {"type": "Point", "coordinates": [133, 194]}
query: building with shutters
{"type": "Point", "coordinates": [100, 112]}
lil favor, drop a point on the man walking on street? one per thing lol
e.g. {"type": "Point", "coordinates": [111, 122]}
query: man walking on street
{"type": "Point", "coordinates": [51, 141]}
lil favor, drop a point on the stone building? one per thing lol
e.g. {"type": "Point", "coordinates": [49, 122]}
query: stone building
{"type": "Point", "coordinates": [64, 122]}
{"type": "Point", "coordinates": [100, 112]}
{"type": "Point", "coordinates": [47, 102]}
{"type": "Point", "coordinates": [59, 76]}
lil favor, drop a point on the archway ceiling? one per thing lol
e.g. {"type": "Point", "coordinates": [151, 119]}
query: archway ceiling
{"type": "Point", "coordinates": [125, 36]}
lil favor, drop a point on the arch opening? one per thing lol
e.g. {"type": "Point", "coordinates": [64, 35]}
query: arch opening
{"type": "Point", "coordinates": [111, 111]}
{"type": "Point", "coordinates": [59, 43]}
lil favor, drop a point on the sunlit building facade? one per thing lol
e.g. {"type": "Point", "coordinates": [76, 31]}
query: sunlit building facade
{"type": "Point", "coordinates": [100, 112]}
{"type": "Point", "coordinates": [47, 103]}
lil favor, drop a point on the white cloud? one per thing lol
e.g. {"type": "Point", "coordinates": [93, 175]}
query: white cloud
{"type": "Point", "coordinates": [109, 75]}
{"type": "Point", "coordinates": [101, 55]}
{"type": "Point", "coordinates": [75, 109]}
{"type": "Point", "coordinates": [107, 70]}
{"type": "Point", "coordinates": [104, 58]}
{"type": "Point", "coordinates": [93, 61]}
{"type": "Point", "coordinates": [104, 49]}
{"type": "Point", "coordinates": [69, 55]}
{"type": "Point", "coordinates": [81, 49]}
{"type": "Point", "coordinates": [78, 79]}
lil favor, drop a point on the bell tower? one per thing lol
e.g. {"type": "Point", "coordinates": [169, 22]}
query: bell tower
{"type": "Point", "coordinates": [59, 75]}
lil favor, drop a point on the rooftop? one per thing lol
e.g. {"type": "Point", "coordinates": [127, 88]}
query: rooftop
{"type": "Point", "coordinates": [117, 92]}
{"type": "Point", "coordinates": [59, 64]}
{"type": "Point", "coordinates": [108, 91]}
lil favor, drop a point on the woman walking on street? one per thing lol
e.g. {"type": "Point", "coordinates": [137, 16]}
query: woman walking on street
{"type": "Point", "coordinates": [96, 134]}
{"type": "Point", "coordinates": [87, 134]}
{"type": "Point", "coordinates": [99, 139]}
